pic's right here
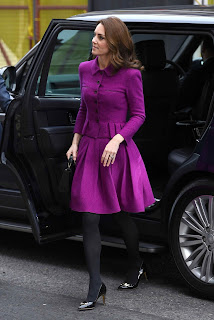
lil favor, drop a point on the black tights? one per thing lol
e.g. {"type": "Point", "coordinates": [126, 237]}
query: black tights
{"type": "Point", "coordinates": [92, 248]}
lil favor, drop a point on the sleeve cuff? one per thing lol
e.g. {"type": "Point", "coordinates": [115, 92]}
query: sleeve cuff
{"type": "Point", "coordinates": [77, 129]}
{"type": "Point", "coordinates": [127, 138]}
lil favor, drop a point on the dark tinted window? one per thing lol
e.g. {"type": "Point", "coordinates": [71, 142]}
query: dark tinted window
{"type": "Point", "coordinates": [172, 42]}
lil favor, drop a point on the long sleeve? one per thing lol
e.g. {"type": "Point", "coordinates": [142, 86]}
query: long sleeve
{"type": "Point", "coordinates": [81, 116]}
{"type": "Point", "coordinates": [4, 96]}
{"type": "Point", "coordinates": [134, 93]}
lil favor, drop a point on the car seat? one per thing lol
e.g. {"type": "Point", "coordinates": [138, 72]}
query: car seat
{"type": "Point", "coordinates": [160, 86]}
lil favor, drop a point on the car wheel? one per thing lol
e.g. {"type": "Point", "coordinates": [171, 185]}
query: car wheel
{"type": "Point", "coordinates": [191, 235]}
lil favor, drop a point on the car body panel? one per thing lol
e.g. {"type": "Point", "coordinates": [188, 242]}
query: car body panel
{"type": "Point", "coordinates": [151, 18]}
{"type": "Point", "coordinates": [182, 15]}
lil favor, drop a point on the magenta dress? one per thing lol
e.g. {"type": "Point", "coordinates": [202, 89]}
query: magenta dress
{"type": "Point", "coordinates": [105, 101]}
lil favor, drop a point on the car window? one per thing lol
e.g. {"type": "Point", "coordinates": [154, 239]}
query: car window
{"type": "Point", "coordinates": [197, 54]}
{"type": "Point", "coordinates": [71, 48]}
{"type": "Point", "coordinates": [172, 42]}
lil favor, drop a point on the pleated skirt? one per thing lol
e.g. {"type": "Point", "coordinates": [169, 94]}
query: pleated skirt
{"type": "Point", "coordinates": [123, 186]}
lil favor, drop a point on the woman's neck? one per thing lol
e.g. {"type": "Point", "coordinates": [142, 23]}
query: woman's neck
{"type": "Point", "coordinates": [103, 62]}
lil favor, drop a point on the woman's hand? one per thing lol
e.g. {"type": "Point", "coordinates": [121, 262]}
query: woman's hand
{"type": "Point", "coordinates": [110, 151]}
{"type": "Point", "coordinates": [73, 150]}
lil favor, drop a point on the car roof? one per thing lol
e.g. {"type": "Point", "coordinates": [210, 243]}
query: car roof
{"type": "Point", "coordinates": [173, 14]}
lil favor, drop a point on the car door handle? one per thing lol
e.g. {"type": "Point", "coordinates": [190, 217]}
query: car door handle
{"type": "Point", "coordinates": [71, 119]}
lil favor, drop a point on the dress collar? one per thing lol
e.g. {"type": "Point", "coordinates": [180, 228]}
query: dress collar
{"type": "Point", "coordinates": [95, 68]}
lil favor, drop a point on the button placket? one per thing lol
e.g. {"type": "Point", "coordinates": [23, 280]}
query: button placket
{"type": "Point", "coordinates": [96, 101]}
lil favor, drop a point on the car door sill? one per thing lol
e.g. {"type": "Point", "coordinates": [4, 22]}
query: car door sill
{"type": "Point", "coordinates": [118, 243]}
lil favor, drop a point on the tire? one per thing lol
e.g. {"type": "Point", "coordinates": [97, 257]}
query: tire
{"type": "Point", "coordinates": [191, 235]}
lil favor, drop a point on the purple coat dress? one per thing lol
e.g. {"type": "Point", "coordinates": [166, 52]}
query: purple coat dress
{"type": "Point", "coordinates": [105, 101]}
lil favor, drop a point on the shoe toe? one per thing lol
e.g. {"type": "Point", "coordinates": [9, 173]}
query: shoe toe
{"type": "Point", "coordinates": [86, 305]}
{"type": "Point", "coordinates": [125, 285]}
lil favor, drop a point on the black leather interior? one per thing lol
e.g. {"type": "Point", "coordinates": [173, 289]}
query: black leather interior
{"type": "Point", "coordinates": [151, 53]}
{"type": "Point", "coordinates": [54, 120]}
{"type": "Point", "coordinates": [160, 86]}
{"type": "Point", "coordinates": [201, 109]}
{"type": "Point", "coordinates": [202, 112]}
{"type": "Point", "coordinates": [55, 140]}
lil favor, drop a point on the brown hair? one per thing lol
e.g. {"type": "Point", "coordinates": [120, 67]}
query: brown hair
{"type": "Point", "coordinates": [120, 44]}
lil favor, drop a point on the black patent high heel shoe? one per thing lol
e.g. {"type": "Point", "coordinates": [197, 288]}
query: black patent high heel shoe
{"type": "Point", "coordinates": [126, 285]}
{"type": "Point", "coordinates": [89, 305]}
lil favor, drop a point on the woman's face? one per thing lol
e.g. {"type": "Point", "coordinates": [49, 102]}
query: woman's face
{"type": "Point", "coordinates": [99, 43]}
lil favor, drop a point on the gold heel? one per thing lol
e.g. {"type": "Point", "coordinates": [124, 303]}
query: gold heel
{"type": "Point", "coordinates": [126, 285]}
{"type": "Point", "coordinates": [89, 305]}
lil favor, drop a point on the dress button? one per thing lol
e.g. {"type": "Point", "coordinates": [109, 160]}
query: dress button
{"type": "Point", "coordinates": [101, 72]}
{"type": "Point", "coordinates": [98, 81]}
{"type": "Point", "coordinates": [95, 91]}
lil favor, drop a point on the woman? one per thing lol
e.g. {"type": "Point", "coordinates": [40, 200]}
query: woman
{"type": "Point", "coordinates": [110, 176]}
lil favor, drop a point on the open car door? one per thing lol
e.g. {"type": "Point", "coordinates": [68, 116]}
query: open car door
{"type": "Point", "coordinates": [39, 125]}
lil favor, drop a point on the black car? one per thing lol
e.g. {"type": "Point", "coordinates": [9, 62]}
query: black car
{"type": "Point", "coordinates": [176, 144]}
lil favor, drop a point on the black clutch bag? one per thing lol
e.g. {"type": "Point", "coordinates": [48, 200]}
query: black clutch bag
{"type": "Point", "coordinates": [66, 181]}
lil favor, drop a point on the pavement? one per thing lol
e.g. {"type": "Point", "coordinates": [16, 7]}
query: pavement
{"type": "Point", "coordinates": [48, 282]}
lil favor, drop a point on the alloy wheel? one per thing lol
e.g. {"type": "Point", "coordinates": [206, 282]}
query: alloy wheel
{"type": "Point", "coordinates": [196, 237]}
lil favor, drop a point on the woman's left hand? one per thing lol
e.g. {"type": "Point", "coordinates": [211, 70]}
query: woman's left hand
{"type": "Point", "coordinates": [110, 151]}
